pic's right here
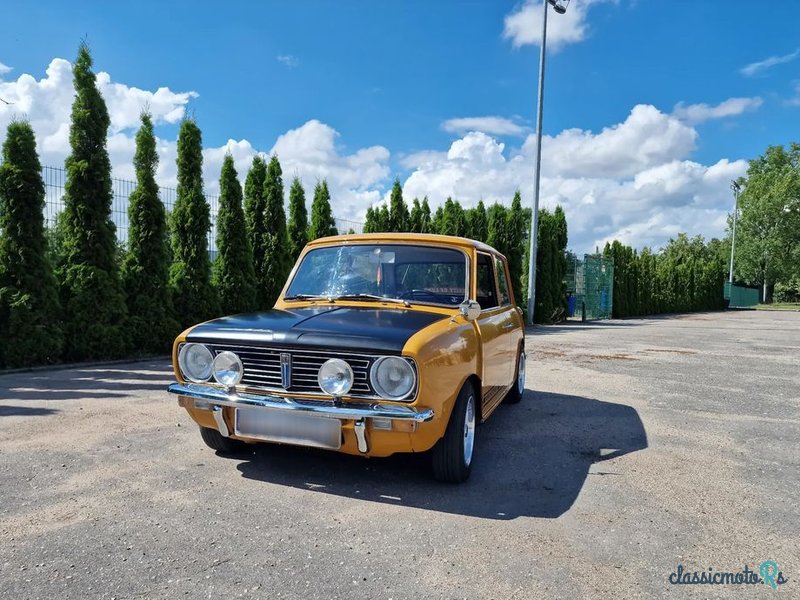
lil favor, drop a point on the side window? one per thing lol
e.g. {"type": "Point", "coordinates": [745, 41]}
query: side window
{"type": "Point", "coordinates": [487, 294]}
{"type": "Point", "coordinates": [505, 297]}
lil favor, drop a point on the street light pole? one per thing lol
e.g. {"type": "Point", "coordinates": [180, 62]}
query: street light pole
{"type": "Point", "coordinates": [560, 7]}
{"type": "Point", "coordinates": [736, 189]}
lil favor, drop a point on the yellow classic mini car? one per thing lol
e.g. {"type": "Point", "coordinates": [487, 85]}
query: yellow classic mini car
{"type": "Point", "coordinates": [378, 343]}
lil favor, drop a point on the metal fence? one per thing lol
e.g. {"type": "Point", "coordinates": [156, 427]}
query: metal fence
{"type": "Point", "coordinates": [590, 287]}
{"type": "Point", "coordinates": [741, 296]}
{"type": "Point", "coordinates": [55, 178]}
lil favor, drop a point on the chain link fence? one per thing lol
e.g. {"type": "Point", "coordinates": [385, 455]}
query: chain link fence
{"type": "Point", "coordinates": [55, 178]}
{"type": "Point", "coordinates": [590, 287]}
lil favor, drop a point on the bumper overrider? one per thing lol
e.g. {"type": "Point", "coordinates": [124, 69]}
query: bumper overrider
{"type": "Point", "coordinates": [214, 398]}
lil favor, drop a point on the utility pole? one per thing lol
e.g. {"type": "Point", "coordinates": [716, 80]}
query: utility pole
{"type": "Point", "coordinates": [560, 6]}
{"type": "Point", "coordinates": [736, 189]}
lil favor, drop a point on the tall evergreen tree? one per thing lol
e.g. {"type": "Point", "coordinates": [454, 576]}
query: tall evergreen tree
{"type": "Point", "coordinates": [29, 309]}
{"type": "Point", "coordinates": [255, 202]}
{"type": "Point", "coordinates": [515, 247]}
{"type": "Point", "coordinates": [370, 226]}
{"type": "Point", "coordinates": [415, 217]}
{"type": "Point", "coordinates": [398, 211]}
{"type": "Point", "coordinates": [233, 273]}
{"type": "Point", "coordinates": [190, 275]}
{"type": "Point", "coordinates": [427, 224]}
{"type": "Point", "coordinates": [322, 221]}
{"type": "Point", "coordinates": [145, 269]}
{"type": "Point", "coordinates": [479, 224]}
{"type": "Point", "coordinates": [437, 222]}
{"type": "Point", "coordinates": [298, 220]}
{"type": "Point", "coordinates": [496, 228]}
{"type": "Point", "coordinates": [271, 274]}
{"type": "Point", "coordinates": [382, 221]}
{"type": "Point", "coordinates": [91, 291]}
{"type": "Point", "coordinates": [455, 220]}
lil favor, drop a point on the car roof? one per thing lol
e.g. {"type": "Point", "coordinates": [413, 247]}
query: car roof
{"type": "Point", "coordinates": [421, 238]}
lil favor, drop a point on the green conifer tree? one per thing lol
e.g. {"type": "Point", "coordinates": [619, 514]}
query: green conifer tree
{"type": "Point", "coordinates": [427, 221]}
{"type": "Point", "coordinates": [271, 274]}
{"type": "Point", "coordinates": [415, 217]}
{"type": "Point", "coordinates": [369, 221]}
{"type": "Point", "coordinates": [398, 211]}
{"type": "Point", "coordinates": [145, 268]}
{"type": "Point", "coordinates": [91, 291]}
{"type": "Point", "coordinates": [382, 221]}
{"type": "Point", "coordinates": [194, 297]}
{"type": "Point", "coordinates": [514, 242]}
{"type": "Point", "coordinates": [455, 219]}
{"type": "Point", "coordinates": [255, 202]}
{"type": "Point", "coordinates": [30, 327]}
{"type": "Point", "coordinates": [298, 220]}
{"type": "Point", "coordinates": [233, 273]}
{"type": "Point", "coordinates": [437, 222]}
{"type": "Point", "coordinates": [322, 221]}
{"type": "Point", "coordinates": [496, 229]}
{"type": "Point", "coordinates": [479, 224]}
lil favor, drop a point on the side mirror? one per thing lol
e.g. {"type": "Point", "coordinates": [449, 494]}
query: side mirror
{"type": "Point", "coordinates": [470, 310]}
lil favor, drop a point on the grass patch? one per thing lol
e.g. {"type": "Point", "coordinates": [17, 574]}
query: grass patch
{"type": "Point", "coordinates": [779, 306]}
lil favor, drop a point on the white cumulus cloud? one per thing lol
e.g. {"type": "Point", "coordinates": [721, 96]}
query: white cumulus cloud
{"type": "Point", "coordinates": [356, 179]}
{"type": "Point", "coordinates": [5, 69]}
{"type": "Point", "coordinates": [492, 125]}
{"type": "Point", "coordinates": [524, 25]}
{"type": "Point", "coordinates": [697, 113]}
{"type": "Point", "coordinates": [632, 181]}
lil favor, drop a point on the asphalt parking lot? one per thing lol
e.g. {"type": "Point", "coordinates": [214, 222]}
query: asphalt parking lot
{"type": "Point", "coordinates": [639, 445]}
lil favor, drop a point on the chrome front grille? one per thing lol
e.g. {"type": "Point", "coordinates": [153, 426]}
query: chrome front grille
{"type": "Point", "coordinates": [262, 368]}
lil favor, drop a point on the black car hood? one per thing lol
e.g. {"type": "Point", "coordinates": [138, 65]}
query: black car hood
{"type": "Point", "coordinates": [332, 327]}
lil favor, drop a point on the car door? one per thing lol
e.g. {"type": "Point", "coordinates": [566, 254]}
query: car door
{"type": "Point", "coordinates": [511, 324]}
{"type": "Point", "coordinates": [491, 323]}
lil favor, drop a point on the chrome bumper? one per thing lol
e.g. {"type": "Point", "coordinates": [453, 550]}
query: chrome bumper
{"type": "Point", "coordinates": [216, 397]}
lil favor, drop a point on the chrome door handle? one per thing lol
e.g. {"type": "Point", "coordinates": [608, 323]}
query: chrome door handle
{"type": "Point", "coordinates": [508, 325]}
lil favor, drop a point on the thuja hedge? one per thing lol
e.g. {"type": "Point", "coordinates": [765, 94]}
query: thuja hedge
{"type": "Point", "coordinates": [84, 298]}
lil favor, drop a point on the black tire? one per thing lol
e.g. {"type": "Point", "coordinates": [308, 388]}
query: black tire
{"type": "Point", "coordinates": [514, 395]}
{"type": "Point", "coordinates": [448, 455]}
{"type": "Point", "coordinates": [216, 441]}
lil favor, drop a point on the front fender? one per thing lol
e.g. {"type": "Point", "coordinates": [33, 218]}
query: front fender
{"type": "Point", "coordinates": [447, 354]}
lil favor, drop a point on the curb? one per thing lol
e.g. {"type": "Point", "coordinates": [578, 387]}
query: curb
{"type": "Point", "coordinates": [81, 365]}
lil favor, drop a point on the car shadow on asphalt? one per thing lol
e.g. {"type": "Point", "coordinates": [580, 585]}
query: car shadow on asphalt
{"type": "Point", "coordinates": [532, 459]}
{"type": "Point", "coordinates": [86, 383]}
{"type": "Point", "coordinates": [24, 411]}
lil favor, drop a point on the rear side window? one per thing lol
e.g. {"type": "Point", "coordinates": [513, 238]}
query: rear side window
{"type": "Point", "coordinates": [487, 292]}
{"type": "Point", "coordinates": [505, 297]}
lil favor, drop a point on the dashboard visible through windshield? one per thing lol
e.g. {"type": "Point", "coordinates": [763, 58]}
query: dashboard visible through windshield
{"type": "Point", "coordinates": [421, 274]}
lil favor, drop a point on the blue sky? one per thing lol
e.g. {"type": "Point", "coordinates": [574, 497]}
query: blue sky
{"type": "Point", "coordinates": [382, 82]}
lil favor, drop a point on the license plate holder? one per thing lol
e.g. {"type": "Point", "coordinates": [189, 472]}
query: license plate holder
{"type": "Point", "coordinates": [289, 428]}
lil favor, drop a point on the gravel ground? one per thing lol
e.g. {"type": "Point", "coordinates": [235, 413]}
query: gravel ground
{"type": "Point", "coordinates": [639, 445]}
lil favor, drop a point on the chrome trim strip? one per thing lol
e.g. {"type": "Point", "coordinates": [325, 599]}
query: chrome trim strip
{"type": "Point", "coordinates": [342, 410]}
{"type": "Point", "coordinates": [216, 412]}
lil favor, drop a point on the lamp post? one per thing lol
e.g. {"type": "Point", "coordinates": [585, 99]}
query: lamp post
{"type": "Point", "coordinates": [736, 189]}
{"type": "Point", "coordinates": [560, 6]}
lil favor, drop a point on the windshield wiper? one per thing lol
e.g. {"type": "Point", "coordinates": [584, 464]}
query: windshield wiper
{"type": "Point", "coordinates": [372, 297]}
{"type": "Point", "coordinates": [309, 297]}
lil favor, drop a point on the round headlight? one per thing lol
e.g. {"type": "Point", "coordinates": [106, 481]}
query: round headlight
{"type": "Point", "coordinates": [195, 362]}
{"type": "Point", "coordinates": [227, 368]}
{"type": "Point", "coordinates": [392, 377]}
{"type": "Point", "coordinates": [335, 377]}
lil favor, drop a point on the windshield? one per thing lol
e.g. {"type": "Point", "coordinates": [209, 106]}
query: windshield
{"type": "Point", "coordinates": [424, 274]}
